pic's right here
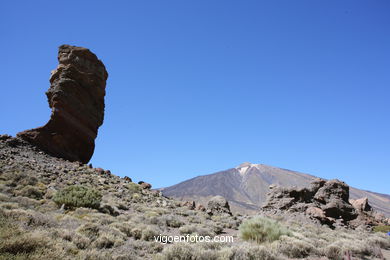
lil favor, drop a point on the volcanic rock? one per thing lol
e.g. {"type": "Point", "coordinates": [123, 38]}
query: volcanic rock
{"type": "Point", "coordinates": [146, 186]}
{"type": "Point", "coordinates": [361, 204]}
{"type": "Point", "coordinates": [326, 201]}
{"type": "Point", "coordinates": [331, 190]}
{"type": "Point", "coordinates": [188, 204]}
{"type": "Point", "coordinates": [200, 207]}
{"type": "Point", "coordinates": [218, 205]}
{"type": "Point", "coordinates": [316, 212]}
{"type": "Point", "coordinates": [99, 170]}
{"type": "Point", "coordinates": [76, 98]}
{"type": "Point", "coordinates": [128, 179]}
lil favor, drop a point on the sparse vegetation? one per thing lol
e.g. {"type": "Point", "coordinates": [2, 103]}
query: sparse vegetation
{"type": "Point", "coordinates": [78, 196]}
{"type": "Point", "coordinates": [172, 221]}
{"type": "Point", "coordinates": [124, 224]}
{"type": "Point", "coordinates": [31, 192]}
{"type": "Point", "coordinates": [262, 229]}
{"type": "Point", "coordinates": [295, 248]}
{"type": "Point", "coordinates": [384, 229]}
{"type": "Point", "coordinates": [19, 244]}
{"type": "Point", "coordinates": [133, 188]}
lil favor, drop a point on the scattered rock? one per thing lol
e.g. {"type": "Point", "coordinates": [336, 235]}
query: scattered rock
{"type": "Point", "coordinates": [12, 142]}
{"type": "Point", "coordinates": [189, 204]}
{"type": "Point", "coordinates": [99, 170]}
{"type": "Point", "coordinates": [76, 98]}
{"type": "Point", "coordinates": [146, 186]}
{"type": "Point", "coordinates": [5, 137]}
{"type": "Point", "coordinates": [218, 205]}
{"type": "Point", "coordinates": [200, 207]}
{"type": "Point", "coordinates": [128, 179]}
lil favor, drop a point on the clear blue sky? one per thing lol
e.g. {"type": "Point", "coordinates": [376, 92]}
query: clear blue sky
{"type": "Point", "coordinates": [201, 86]}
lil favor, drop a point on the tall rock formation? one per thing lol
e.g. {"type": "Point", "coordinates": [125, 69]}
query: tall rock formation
{"type": "Point", "coordinates": [76, 98]}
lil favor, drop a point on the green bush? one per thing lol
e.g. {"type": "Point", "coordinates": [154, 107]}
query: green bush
{"type": "Point", "coordinates": [133, 188]}
{"type": "Point", "coordinates": [75, 196]}
{"type": "Point", "coordinates": [261, 229]}
{"type": "Point", "coordinates": [383, 228]}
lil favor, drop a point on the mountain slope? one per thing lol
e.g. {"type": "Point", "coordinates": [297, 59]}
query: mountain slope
{"type": "Point", "coordinates": [246, 187]}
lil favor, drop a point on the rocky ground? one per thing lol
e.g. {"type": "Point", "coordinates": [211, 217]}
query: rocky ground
{"type": "Point", "coordinates": [33, 225]}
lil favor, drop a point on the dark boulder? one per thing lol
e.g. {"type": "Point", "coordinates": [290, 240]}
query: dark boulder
{"type": "Point", "coordinates": [127, 178]}
{"type": "Point", "coordinates": [146, 186]}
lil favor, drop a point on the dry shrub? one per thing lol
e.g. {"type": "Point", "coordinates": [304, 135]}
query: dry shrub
{"type": "Point", "coordinates": [19, 244]}
{"type": "Point", "coordinates": [295, 248]}
{"type": "Point", "coordinates": [124, 227]}
{"type": "Point", "coordinates": [30, 192]}
{"type": "Point", "coordinates": [171, 221]}
{"type": "Point", "coordinates": [105, 241]}
{"type": "Point", "coordinates": [80, 241]}
{"type": "Point", "coordinates": [19, 178]}
{"type": "Point", "coordinates": [179, 251]}
{"type": "Point", "coordinates": [187, 229]}
{"type": "Point", "coordinates": [261, 229]}
{"type": "Point", "coordinates": [379, 240]}
{"type": "Point", "coordinates": [333, 252]}
{"type": "Point", "coordinates": [30, 217]}
{"type": "Point", "coordinates": [149, 233]}
{"type": "Point", "coordinates": [252, 252]}
{"type": "Point", "coordinates": [90, 230]}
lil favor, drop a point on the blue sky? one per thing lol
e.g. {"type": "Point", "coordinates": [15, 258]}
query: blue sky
{"type": "Point", "coordinates": [200, 86]}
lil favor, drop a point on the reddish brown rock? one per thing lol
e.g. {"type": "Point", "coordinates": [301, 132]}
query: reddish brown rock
{"type": "Point", "coordinates": [99, 170]}
{"type": "Point", "coordinates": [316, 212]}
{"type": "Point", "coordinates": [361, 204]}
{"type": "Point", "coordinates": [128, 179]}
{"type": "Point", "coordinates": [331, 190]}
{"type": "Point", "coordinates": [146, 186]}
{"type": "Point", "coordinates": [76, 98]}
{"type": "Point", "coordinates": [189, 204]}
{"type": "Point", "coordinates": [200, 207]}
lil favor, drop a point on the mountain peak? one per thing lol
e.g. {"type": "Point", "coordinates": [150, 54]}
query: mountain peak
{"type": "Point", "coordinates": [244, 164]}
{"type": "Point", "coordinates": [246, 186]}
{"type": "Point", "coordinates": [244, 167]}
